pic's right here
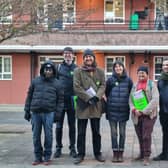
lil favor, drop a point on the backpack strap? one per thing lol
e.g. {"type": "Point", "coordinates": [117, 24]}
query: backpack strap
{"type": "Point", "coordinates": [57, 70]}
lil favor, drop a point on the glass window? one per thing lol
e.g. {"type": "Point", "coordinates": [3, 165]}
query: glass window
{"type": "Point", "coordinates": [109, 61]}
{"type": "Point", "coordinates": [56, 15]}
{"type": "Point", "coordinates": [68, 11]}
{"type": "Point", "coordinates": [162, 6]}
{"type": "Point", "coordinates": [114, 11]}
{"type": "Point", "coordinates": [5, 67]}
{"type": "Point", "coordinates": [5, 13]}
{"type": "Point", "coordinates": [158, 60]}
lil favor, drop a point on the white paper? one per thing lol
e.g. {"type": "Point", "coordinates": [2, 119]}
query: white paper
{"type": "Point", "coordinates": [138, 94]}
{"type": "Point", "coordinates": [91, 92]}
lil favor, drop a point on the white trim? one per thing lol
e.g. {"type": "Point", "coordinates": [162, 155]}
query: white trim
{"type": "Point", "coordinates": [80, 48]}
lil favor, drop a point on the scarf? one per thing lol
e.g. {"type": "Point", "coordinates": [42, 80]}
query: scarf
{"type": "Point", "coordinates": [164, 76]}
{"type": "Point", "coordinates": [88, 68]}
{"type": "Point", "coordinates": [142, 85]}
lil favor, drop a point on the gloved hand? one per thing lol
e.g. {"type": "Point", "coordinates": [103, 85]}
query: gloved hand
{"type": "Point", "coordinates": [93, 100]}
{"type": "Point", "coordinates": [27, 115]}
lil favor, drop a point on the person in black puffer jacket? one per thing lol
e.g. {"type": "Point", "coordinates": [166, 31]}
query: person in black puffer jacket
{"type": "Point", "coordinates": [118, 88]}
{"type": "Point", "coordinates": [44, 102]}
{"type": "Point", "coordinates": [65, 75]}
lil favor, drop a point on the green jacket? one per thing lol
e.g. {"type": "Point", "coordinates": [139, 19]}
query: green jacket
{"type": "Point", "coordinates": [83, 81]}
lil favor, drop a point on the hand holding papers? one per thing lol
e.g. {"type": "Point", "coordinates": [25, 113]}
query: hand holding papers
{"type": "Point", "coordinates": [91, 92]}
{"type": "Point", "coordinates": [139, 100]}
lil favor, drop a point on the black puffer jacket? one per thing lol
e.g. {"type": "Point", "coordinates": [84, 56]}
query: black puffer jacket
{"type": "Point", "coordinates": [117, 93]}
{"type": "Point", "coordinates": [163, 92]}
{"type": "Point", "coordinates": [65, 75]}
{"type": "Point", "coordinates": [45, 94]}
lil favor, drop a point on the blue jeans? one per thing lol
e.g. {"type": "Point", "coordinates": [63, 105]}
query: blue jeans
{"type": "Point", "coordinates": [44, 120]}
{"type": "Point", "coordinates": [118, 146]}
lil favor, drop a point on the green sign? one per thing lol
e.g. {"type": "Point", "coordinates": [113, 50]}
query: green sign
{"type": "Point", "coordinates": [139, 100]}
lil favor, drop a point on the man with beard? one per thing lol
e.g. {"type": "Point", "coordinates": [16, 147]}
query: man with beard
{"type": "Point", "coordinates": [89, 87]}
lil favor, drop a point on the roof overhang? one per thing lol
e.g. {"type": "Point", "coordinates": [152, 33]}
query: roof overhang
{"type": "Point", "coordinates": [77, 48]}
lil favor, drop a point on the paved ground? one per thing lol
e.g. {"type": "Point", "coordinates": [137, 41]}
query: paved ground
{"type": "Point", "coordinates": [16, 146]}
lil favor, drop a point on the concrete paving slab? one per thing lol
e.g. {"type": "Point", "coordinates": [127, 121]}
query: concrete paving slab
{"type": "Point", "coordinates": [16, 148]}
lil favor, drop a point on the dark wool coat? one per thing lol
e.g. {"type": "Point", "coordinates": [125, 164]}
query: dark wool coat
{"type": "Point", "coordinates": [83, 81]}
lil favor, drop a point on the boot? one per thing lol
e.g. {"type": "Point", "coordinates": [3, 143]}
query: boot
{"type": "Point", "coordinates": [57, 153]}
{"type": "Point", "coordinates": [146, 161]}
{"type": "Point", "coordinates": [115, 156]}
{"type": "Point", "coordinates": [120, 156]}
{"type": "Point", "coordinates": [73, 152]}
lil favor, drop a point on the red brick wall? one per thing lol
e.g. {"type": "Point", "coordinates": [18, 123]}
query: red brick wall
{"type": "Point", "coordinates": [14, 91]}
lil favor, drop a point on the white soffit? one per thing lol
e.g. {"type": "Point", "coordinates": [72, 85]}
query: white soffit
{"type": "Point", "coordinates": [97, 48]}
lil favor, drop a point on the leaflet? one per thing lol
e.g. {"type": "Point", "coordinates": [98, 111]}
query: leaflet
{"type": "Point", "coordinates": [91, 92]}
{"type": "Point", "coordinates": [139, 99]}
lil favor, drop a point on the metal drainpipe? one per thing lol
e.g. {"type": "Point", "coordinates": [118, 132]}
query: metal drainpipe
{"type": "Point", "coordinates": [32, 61]}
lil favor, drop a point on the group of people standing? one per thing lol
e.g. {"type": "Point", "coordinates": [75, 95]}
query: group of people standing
{"type": "Point", "coordinates": [50, 97]}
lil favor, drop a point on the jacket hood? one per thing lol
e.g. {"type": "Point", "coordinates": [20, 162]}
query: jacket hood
{"type": "Point", "coordinates": [44, 65]}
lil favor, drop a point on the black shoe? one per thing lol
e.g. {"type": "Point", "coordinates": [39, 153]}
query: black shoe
{"type": "Point", "coordinates": [160, 157]}
{"type": "Point", "coordinates": [57, 153]}
{"type": "Point", "coordinates": [100, 158]}
{"type": "Point", "coordinates": [78, 159]}
{"type": "Point", "coordinates": [73, 153]}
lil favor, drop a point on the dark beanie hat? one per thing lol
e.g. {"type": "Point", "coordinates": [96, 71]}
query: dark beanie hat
{"type": "Point", "coordinates": [68, 49]}
{"type": "Point", "coordinates": [143, 68]}
{"type": "Point", "coordinates": [88, 52]}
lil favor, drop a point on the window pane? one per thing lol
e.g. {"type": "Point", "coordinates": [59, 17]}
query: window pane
{"type": "Point", "coordinates": [114, 11]}
{"type": "Point", "coordinates": [68, 11]}
{"type": "Point", "coordinates": [7, 76]}
{"type": "Point", "coordinates": [110, 64]}
{"type": "Point", "coordinates": [121, 59]}
{"type": "Point", "coordinates": [158, 66]}
{"type": "Point", "coordinates": [7, 65]}
{"type": "Point", "coordinates": [119, 8]}
{"type": "Point", "coordinates": [109, 6]}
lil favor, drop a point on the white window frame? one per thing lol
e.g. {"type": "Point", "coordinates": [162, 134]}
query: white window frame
{"type": "Point", "coordinates": [3, 68]}
{"type": "Point", "coordinates": [113, 20]}
{"type": "Point", "coordinates": [155, 75]}
{"type": "Point", "coordinates": [115, 58]}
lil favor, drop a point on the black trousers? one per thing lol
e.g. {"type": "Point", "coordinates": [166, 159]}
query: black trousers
{"type": "Point", "coordinates": [81, 137]}
{"type": "Point", "coordinates": [164, 124]}
{"type": "Point", "coordinates": [72, 129]}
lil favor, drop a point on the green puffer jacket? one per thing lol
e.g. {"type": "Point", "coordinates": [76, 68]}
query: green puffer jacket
{"type": "Point", "coordinates": [83, 80]}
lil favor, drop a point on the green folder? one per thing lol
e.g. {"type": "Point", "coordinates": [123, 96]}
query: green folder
{"type": "Point", "coordinates": [139, 99]}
